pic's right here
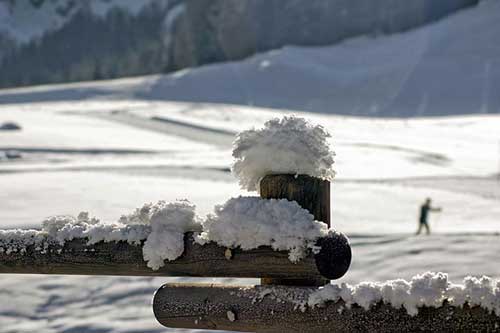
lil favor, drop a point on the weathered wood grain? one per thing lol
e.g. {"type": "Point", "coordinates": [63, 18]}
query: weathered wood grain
{"type": "Point", "coordinates": [209, 260]}
{"type": "Point", "coordinates": [310, 193]}
{"type": "Point", "coordinates": [277, 309]}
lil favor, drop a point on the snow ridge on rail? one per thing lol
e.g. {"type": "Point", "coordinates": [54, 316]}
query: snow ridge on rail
{"type": "Point", "coordinates": [62, 228]}
{"type": "Point", "coordinates": [428, 289]}
{"type": "Point", "coordinates": [244, 222]}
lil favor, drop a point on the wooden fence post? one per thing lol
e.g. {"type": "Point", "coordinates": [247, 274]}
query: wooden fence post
{"type": "Point", "coordinates": [310, 193]}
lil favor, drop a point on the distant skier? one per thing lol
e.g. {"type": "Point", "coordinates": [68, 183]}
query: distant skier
{"type": "Point", "coordinates": [424, 214]}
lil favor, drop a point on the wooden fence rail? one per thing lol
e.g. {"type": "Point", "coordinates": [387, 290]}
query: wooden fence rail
{"type": "Point", "coordinates": [209, 260]}
{"type": "Point", "coordinates": [278, 309]}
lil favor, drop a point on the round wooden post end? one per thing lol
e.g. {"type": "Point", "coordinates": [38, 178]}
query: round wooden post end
{"type": "Point", "coordinates": [334, 258]}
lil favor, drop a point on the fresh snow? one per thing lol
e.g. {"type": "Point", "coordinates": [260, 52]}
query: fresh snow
{"type": "Point", "coordinates": [250, 222]}
{"type": "Point", "coordinates": [162, 225]}
{"type": "Point", "coordinates": [245, 222]}
{"type": "Point", "coordinates": [290, 145]}
{"type": "Point", "coordinates": [385, 167]}
{"type": "Point", "coordinates": [169, 222]}
{"type": "Point", "coordinates": [17, 240]}
{"type": "Point", "coordinates": [59, 229]}
{"type": "Point", "coordinates": [427, 289]}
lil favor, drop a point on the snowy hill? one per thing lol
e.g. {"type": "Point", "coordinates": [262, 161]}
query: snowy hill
{"type": "Point", "coordinates": [52, 41]}
{"type": "Point", "coordinates": [24, 21]}
{"type": "Point", "coordinates": [449, 67]}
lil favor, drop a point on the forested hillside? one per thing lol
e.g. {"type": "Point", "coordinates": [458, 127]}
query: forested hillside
{"type": "Point", "coordinates": [63, 41]}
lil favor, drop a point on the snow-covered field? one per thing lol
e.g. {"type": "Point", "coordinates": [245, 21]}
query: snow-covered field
{"type": "Point", "coordinates": [108, 157]}
{"type": "Point", "coordinates": [109, 147]}
{"type": "Point", "coordinates": [385, 168]}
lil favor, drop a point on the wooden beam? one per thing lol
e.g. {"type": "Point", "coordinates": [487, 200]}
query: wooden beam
{"type": "Point", "coordinates": [209, 260]}
{"type": "Point", "coordinates": [278, 309]}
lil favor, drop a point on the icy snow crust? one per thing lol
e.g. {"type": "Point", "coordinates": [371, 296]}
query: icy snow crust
{"type": "Point", "coordinates": [250, 222]}
{"type": "Point", "coordinates": [288, 145]}
{"type": "Point", "coordinates": [428, 289]}
{"type": "Point", "coordinates": [245, 222]}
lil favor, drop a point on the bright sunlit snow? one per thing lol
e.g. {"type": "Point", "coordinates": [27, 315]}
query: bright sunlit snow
{"type": "Point", "coordinates": [250, 222]}
{"type": "Point", "coordinates": [289, 145]}
{"type": "Point", "coordinates": [427, 289]}
{"type": "Point", "coordinates": [169, 222]}
{"type": "Point", "coordinates": [106, 147]}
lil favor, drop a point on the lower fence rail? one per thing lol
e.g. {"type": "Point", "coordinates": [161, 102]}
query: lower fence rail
{"type": "Point", "coordinates": [284, 309]}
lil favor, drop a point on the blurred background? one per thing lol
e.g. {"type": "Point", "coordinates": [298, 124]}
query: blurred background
{"type": "Point", "coordinates": [108, 104]}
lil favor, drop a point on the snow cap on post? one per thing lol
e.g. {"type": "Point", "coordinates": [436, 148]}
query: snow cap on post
{"type": "Point", "coordinates": [290, 145]}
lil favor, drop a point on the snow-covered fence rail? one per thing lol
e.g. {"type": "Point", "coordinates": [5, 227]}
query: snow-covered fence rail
{"type": "Point", "coordinates": [85, 248]}
{"type": "Point", "coordinates": [289, 309]}
{"type": "Point", "coordinates": [77, 257]}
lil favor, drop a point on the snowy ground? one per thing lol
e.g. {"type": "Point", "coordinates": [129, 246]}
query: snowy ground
{"type": "Point", "coordinates": [108, 157]}
{"type": "Point", "coordinates": [108, 147]}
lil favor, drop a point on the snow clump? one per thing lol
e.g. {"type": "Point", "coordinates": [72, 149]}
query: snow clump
{"type": "Point", "coordinates": [250, 222]}
{"type": "Point", "coordinates": [290, 145]}
{"type": "Point", "coordinates": [169, 222]}
{"type": "Point", "coordinates": [428, 289]}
